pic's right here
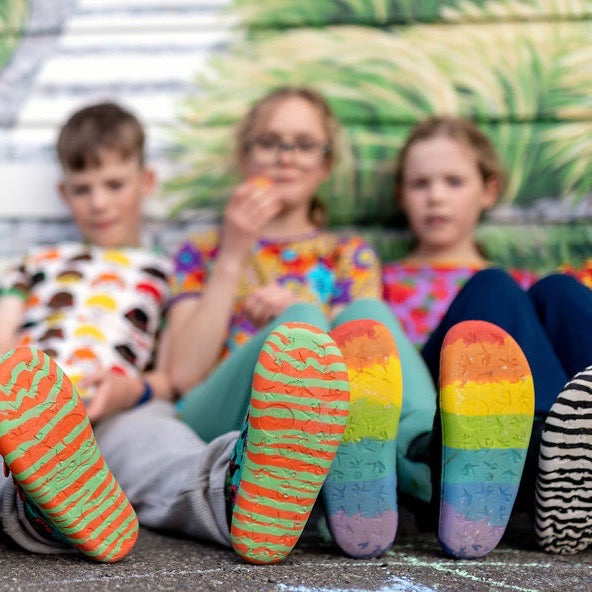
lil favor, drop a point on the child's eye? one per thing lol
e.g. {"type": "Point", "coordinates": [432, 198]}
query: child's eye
{"type": "Point", "coordinates": [267, 142]}
{"type": "Point", "coordinates": [115, 184]}
{"type": "Point", "coordinates": [80, 190]}
{"type": "Point", "coordinates": [454, 181]}
{"type": "Point", "coordinates": [306, 146]}
{"type": "Point", "coordinates": [419, 183]}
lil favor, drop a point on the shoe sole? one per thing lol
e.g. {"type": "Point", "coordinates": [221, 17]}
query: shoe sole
{"type": "Point", "coordinates": [48, 445]}
{"type": "Point", "coordinates": [563, 495]}
{"type": "Point", "coordinates": [360, 493]}
{"type": "Point", "coordinates": [487, 405]}
{"type": "Point", "coordinates": [297, 415]}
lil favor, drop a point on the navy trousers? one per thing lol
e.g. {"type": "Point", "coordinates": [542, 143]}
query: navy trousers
{"type": "Point", "coordinates": [552, 323]}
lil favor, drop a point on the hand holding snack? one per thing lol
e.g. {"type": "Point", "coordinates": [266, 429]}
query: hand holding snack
{"type": "Point", "coordinates": [252, 206]}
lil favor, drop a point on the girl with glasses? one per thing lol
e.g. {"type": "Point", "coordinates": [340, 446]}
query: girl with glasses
{"type": "Point", "coordinates": [272, 264]}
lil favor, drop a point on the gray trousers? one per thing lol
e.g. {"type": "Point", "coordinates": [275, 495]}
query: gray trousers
{"type": "Point", "coordinates": [174, 481]}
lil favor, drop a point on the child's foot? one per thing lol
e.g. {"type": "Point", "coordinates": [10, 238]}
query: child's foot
{"type": "Point", "coordinates": [563, 499]}
{"type": "Point", "coordinates": [49, 447]}
{"type": "Point", "coordinates": [297, 415]}
{"type": "Point", "coordinates": [360, 491]}
{"type": "Point", "coordinates": [487, 404]}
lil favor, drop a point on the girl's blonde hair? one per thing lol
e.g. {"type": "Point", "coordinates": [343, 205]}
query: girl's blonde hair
{"type": "Point", "coordinates": [460, 129]}
{"type": "Point", "coordinates": [262, 108]}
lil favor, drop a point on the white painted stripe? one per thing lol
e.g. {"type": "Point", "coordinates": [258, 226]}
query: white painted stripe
{"type": "Point", "coordinates": [173, 20]}
{"type": "Point", "coordinates": [117, 4]}
{"type": "Point", "coordinates": [111, 41]}
{"type": "Point", "coordinates": [96, 70]}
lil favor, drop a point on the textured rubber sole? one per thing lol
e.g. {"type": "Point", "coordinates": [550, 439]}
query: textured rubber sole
{"type": "Point", "coordinates": [360, 491]}
{"type": "Point", "coordinates": [297, 415]}
{"type": "Point", "coordinates": [563, 498]}
{"type": "Point", "coordinates": [487, 406]}
{"type": "Point", "coordinates": [48, 445]}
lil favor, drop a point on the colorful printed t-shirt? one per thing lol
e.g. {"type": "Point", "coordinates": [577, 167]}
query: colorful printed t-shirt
{"type": "Point", "coordinates": [91, 308]}
{"type": "Point", "coordinates": [322, 268]}
{"type": "Point", "coordinates": [420, 295]}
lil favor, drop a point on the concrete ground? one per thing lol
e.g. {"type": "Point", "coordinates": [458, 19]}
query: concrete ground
{"type": "Point", "coordinates": [414, 564]}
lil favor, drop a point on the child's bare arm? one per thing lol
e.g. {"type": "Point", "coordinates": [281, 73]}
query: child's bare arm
{"type": "Point", "coordinates": [199, 326]}
{"type": "Point", "coordinates": [12, 309]}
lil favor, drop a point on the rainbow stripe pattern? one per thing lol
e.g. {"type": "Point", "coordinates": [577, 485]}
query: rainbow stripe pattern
{"type": "Point", "coordinates": [360, 491]}
{"type": "Point", "coordinates": [487, 406]}
{"type": "Point", "coordinates": [297, 415]}
{"type": "Point", "coordinates": [48, 445]}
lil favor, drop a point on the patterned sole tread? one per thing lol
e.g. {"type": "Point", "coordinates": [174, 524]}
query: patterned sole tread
{"type": "Point", "coordinates": [360, 491]}
{"type": "Point", "coordinates": [563, 498]}
{"type": "Point", "coordinates": [298, 410]}
{"type": "Point", "coordinates": [48, 445]}
{"type": "Point", "coordinates": [487, 406]}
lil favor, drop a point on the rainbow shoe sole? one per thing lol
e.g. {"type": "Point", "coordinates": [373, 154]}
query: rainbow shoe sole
{"type": "Point", "coordinates": [360, 493]}
{"type": "Point", "coordinates": [297, 415]}
{"type": "Point", "coordinates": [48, 445]}
{"type": "Point", "coordinates": [487, 406]}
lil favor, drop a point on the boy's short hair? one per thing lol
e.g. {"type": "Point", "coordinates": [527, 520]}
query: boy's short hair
{"type": "Point", "coordinates": [98, 128]}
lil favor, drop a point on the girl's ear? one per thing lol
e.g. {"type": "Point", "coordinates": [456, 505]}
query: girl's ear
{"type": "Point", "coordinates": [491, 189]}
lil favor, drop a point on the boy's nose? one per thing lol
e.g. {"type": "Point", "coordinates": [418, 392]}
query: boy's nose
{"type": "Point", "coordinates": [98, 198]}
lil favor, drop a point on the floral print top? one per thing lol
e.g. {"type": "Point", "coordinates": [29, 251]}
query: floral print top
{"type": "Point", "coordinates": [321, 268]}
{"type": "Point", "coordinates": [419, 295]}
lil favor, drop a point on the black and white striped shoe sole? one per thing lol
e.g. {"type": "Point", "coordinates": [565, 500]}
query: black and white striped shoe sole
{"type": "Point", "coordinates": [563, 498]}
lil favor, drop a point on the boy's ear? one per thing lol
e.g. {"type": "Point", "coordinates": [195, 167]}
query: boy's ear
{"type": "Point", "coordinates": [149, 181]}
{"type": "Point", "coordinates": [61, 189]}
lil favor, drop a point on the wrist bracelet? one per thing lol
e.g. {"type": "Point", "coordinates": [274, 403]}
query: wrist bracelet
{"type": "Point", "coordinates": [146, 395]}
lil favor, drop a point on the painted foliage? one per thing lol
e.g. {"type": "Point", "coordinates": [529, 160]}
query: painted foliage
{"type": "Point", "coordinates": [521, 69]}
{"type": "Point", "coordinates": [12, 16]}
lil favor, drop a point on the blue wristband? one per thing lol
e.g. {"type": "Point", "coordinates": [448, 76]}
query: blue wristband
{"type": "Point", "coordinates": [146, 395]}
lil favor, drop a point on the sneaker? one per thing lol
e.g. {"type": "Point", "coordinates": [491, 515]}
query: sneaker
{"type": "Point", "coordinates": [297, 414]}
{"type": "Point", "coordinates": [487, 406]}
{"type": "Point", "coordinates": [360, 493]}
{"type": "Point", "coordinates": [48, 445]}
{"type": "Point", "coordinates": [563, 495]}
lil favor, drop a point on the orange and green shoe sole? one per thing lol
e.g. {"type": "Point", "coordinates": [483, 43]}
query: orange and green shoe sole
{"type": "Point", "coordinates": [48, 445]}
{"type": "Point", "coordinates": [298, 410]}
{"type": "Point", "coordinates": [487, 406]}
{"type": "Point", "coordinates": [360, 493]}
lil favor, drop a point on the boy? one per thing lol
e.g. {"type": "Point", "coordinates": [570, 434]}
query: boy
{"type": "Point", "coordinates": [95, 308]}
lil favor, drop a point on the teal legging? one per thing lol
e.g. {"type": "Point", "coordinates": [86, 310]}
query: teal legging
{"type": "Point", "coordinates": [220, 403]}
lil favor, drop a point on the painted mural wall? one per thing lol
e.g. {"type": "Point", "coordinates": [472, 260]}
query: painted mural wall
{"type": "Point", "coordinates": [189, 68]}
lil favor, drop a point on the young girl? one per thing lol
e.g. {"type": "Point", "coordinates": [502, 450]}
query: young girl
{"type": "Point", "coordinates": [447, 175]}
{"type": "Point", "coordinates": [274, 262]}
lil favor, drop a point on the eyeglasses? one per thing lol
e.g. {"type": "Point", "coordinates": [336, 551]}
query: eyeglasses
{"type": "Point", "coordinates": [306, 154]}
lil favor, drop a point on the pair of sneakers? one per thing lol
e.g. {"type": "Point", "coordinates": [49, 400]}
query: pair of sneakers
{"type": "Point", "coordinates": [323, 419]}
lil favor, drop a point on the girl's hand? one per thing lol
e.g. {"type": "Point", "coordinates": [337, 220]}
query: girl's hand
{"type": "Point", "coordinates": [252, 206]}
{"type": "Point", "coordinates": [266, 303]}
{"type": "Point", "coordinates": [113, 392]}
